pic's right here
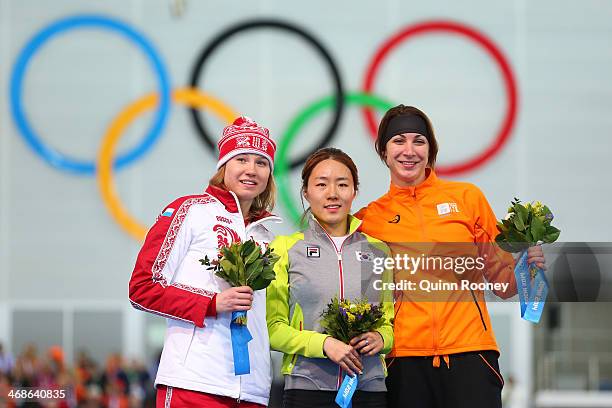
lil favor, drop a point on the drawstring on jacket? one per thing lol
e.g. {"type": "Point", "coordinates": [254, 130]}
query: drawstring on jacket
{"type": "Point", "coordinates": [436, 361]}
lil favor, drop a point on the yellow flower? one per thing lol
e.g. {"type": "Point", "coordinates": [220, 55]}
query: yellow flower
{"type": "Point", "coordinates": [351, 317]}
{"type": "Point", "coordinates": [538, 207]}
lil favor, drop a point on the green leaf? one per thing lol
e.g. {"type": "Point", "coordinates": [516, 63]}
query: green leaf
{"type": "Point", "coordinates": [254, 270]}
{"type": "Point", "coordinates": [521, 217]}
{"type": "Point", "coordinates": [252, 256]}
{"type": "Point", "coordinates": [516, 236]}
{"type": "Point", "coordinates": [537, 229]}
{"type": "Point", "coordinates": [260, 283]}
{"type": "Point", "coordinates": [228, 272]}
{"type": "Point", "coordinates": [226, 265]}
{"type": "Point", "coordinates": [529, 236]}
{"type": "Point", "coordinates": [551, 235]}
{"type": "Point", "coordinates": [504, 244]}
{"type": "Point", "coordinates": [501, 227]}
{"type": "Point", "coordinates": [229, 255]}
{"type": "Point", "coordinates": [223, 275]}
{"type": "Point", "coordinates": [247, 248]}
{"type": "Point", "coordinates": [269, 275]}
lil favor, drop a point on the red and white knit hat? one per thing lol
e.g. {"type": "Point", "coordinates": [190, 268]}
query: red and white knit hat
{"type": "Point", "coordinates": [245, 136]}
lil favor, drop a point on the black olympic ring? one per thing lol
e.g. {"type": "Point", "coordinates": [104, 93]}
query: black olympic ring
{"type": "Point", "coordinates": [281, 25]}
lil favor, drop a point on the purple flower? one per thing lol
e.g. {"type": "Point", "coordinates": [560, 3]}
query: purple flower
{"type": "Point", "coordinates": [549, 216]}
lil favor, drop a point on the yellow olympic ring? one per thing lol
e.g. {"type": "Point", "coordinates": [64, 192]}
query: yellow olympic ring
{"type": "Point", "coordinates": [187, 96]}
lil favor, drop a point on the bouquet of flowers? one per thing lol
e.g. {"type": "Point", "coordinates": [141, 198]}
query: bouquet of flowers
{"type": "Point", "coordinates": [525, 226]}
{"type": "Point", "coordinates": [343, 320]}
{"type": "Point", "coordinates": [243, 264]}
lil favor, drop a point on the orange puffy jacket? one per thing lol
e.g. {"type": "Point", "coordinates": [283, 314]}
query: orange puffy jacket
{"type": "Point", "coordinates": [447, 217]}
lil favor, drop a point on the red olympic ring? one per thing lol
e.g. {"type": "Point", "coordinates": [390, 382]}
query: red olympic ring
{"type": "Point", "coordinates": [480, 39]}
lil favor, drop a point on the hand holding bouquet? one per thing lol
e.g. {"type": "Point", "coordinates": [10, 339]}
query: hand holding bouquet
{"type": "Point", "coordinates": [243, 264]}
{"type": "Point", "coordinates": [348, 322]}
{"type": "Point", "coordinates": [525, 226]}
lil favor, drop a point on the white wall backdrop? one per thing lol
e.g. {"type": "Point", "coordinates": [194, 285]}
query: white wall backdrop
{"type": "Point", "coordinates": [58, 243]}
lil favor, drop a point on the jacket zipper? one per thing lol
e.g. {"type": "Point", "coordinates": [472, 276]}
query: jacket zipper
{"type": "Point", "coordinates": [339, 253]}
{"type": "Point", "coordinates": [479, 310]}
{"type": "Point", "coordinates": [434, 328]}
{"type": "Point", "coordinates": [244, 230]}
{"type": "Point", "coordinates": [341, 272]}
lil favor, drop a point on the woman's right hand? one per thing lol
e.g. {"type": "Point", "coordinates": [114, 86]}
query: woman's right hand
{"type": "Point", "coordinates": [344, 355]}
{"type": "Point", "coordinates": [235, 299]}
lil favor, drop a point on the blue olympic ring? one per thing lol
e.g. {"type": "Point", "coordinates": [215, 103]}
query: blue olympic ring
{"type": "Point", "coordinates": [52, 156]}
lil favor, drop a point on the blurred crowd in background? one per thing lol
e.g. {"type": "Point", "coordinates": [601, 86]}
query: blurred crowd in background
{"type": "Point", "coordinates": [119, 383]}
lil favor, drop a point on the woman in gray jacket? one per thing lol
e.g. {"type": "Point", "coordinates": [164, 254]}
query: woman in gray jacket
{"type": "Point", "coordinates": [330, 257]}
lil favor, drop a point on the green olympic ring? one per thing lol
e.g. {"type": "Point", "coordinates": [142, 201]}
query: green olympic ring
{"type": "Point", "coordinates": [281, 169]}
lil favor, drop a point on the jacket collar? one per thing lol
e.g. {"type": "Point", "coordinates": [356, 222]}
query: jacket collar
{"type": "Point", "coordinates": [354, 224]}
{"type": "Point", "coordinates": [226, 198]}
{"type": "Point", "coordinates": [230, 201]}
{"type": "Point", "coordinates": [412, 191]}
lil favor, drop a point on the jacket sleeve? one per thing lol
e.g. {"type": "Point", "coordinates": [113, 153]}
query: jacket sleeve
{"type": "Point", "coordinates": [151, 286]}
{"type": "Point", "coordinates": [499, 264]}
{"type": "Point", "coordinates": [361, 213]}
{"type": "Point", "coordinates": [386, 330]}
{"type": "Point", "coordinates": [283, 337]}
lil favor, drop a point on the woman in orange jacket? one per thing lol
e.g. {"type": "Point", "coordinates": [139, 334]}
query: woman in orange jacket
{"type": "Point", "coordinates": [445, 353]}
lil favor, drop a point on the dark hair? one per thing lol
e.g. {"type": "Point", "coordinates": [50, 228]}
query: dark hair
{"type": "Point", "coordinates": [381, 140]}
{"type": "Point", "coordinates": [326, 153]}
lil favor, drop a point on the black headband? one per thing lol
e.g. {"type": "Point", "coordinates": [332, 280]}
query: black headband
{"type": "Point", "coordinates": [408, 123]}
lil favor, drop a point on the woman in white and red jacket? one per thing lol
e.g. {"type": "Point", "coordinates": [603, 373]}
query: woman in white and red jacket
{"type": "Point", "coordinates": [197, 365]}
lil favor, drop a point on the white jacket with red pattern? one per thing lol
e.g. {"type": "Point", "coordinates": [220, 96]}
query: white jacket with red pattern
{"type": "Point", "coordinates": [169, 280]}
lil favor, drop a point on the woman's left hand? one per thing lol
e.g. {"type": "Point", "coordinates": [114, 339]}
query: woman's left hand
{"type": "Point", "coordinates": [369, 343]}
{"type": "Point", "coordinates": [535, 255]}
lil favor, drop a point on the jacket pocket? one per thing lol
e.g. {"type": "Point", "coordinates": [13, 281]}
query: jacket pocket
{"type": "Point", "coordinates": [489, 360]}
{"type": "Point", "coordinates": [479, 310]}
{"type": "Point", "coordinates": [321, 372]}
{"type": "Point", "coordinates": [178, 340]}
{"type": "Point", "coordinates": [374, 369]}
{"type": "Point", "coordinates": [297, 322]}
{"type": "Point", "coordinates": [188, 345]}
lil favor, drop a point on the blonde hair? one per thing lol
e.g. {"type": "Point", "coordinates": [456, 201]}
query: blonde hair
{"type": "Point", "coordinates": [264, 202]}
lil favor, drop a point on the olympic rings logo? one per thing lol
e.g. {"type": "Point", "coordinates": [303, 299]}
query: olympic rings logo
{"type": "Point", "coordinates": [195, 99]}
